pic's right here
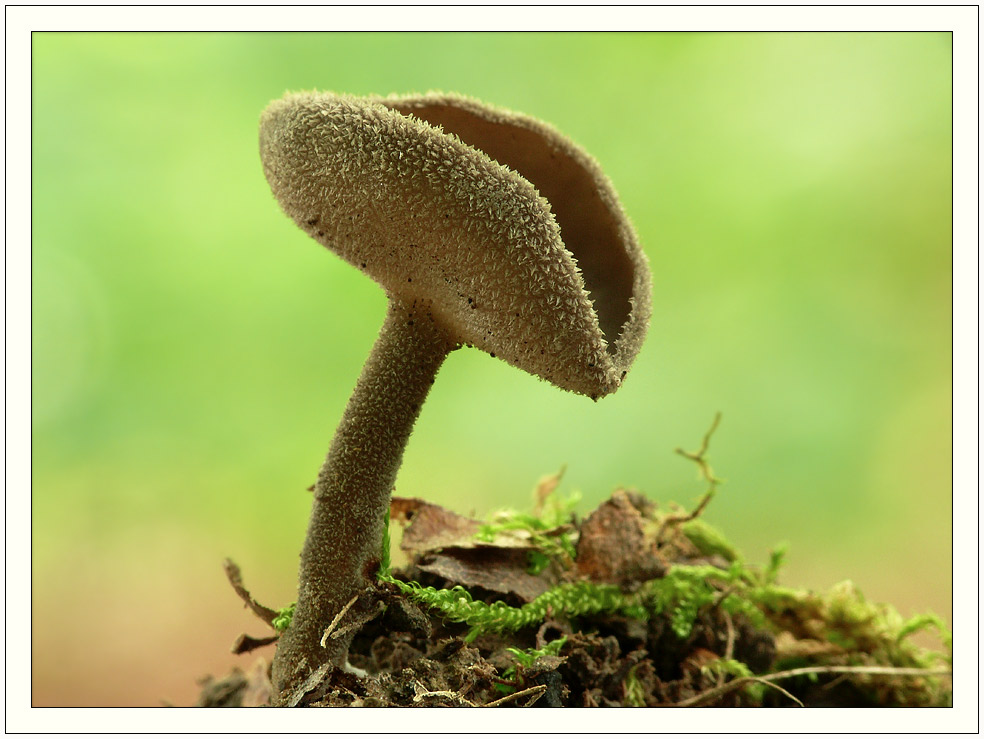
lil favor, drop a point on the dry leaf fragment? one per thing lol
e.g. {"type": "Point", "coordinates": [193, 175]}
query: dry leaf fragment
{"type": "Point", "coordinates": [498, 570]}
{"type": "Point", "coordinates": [432, 528]}
{"type": "Point", "coordinates": [544, 489]}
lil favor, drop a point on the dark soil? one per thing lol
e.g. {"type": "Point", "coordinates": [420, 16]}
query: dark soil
{"type": "Point", "coordinates": [415, 660]}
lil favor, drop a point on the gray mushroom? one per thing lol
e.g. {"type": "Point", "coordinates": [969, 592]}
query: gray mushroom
{"type": "Point", "coordinates": [486, 228]}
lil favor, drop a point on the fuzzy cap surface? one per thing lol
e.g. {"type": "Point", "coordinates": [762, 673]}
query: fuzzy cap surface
{"type": "Point", "coordinates": [506, 231]}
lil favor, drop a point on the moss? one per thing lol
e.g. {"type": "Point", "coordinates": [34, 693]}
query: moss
{"type": "Point", "coordinates": [704, 628]}
{"type": "Point", "coordinates": [546, 527]}
{"type": "Point", "coordinates": [524, 660]}
{"type": "Point", "coordinates": [832, 632]}
{"type": "Point", "coordinates": [635, 695]}
{"type": "Point", "coordinates": [709, 540]}
{"type": "Point", "coordinates": [283, 618]}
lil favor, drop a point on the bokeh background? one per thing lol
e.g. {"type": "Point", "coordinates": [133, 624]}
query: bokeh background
{"type": "Point", "coordinates": [192, 350]}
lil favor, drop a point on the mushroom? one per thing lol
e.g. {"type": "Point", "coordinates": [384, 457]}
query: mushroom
{"type": "Point", "coordinates": [486, 228]}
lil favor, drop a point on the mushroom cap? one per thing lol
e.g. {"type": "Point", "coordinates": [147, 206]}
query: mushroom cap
{"type": "Point", "coordinates": [504, 230]}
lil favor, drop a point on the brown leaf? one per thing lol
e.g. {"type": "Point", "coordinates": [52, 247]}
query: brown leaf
{"type": "Point", "coordinates": [496, 569]}
{"type": "Point", "coordinates": [545, 487]}
{"type": "Point", "coordinates": [431, 526]}
{"type": "Point", "coordinates": [403, 509]}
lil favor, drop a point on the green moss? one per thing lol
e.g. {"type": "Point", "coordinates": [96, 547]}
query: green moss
{"type": "Point", "coordinates": [708, 540]}
{"type": "Point", "coordinates": [726, 668]}
{"type": "Point", "coordinates": [634, 693]}
{"type": "Point", "coordinates": [545, 528]}
{"type": "Point", "coordinates": [570, 599]}
{"type": "Point", "coordinates": [836, 630]}
{"type": "Point", "coordinates": [524, 659]}
{"type": "Point", "coordinates": [681, 593]}
{"type": "Point", "coordinates": [863, 633]}
{"type": "Point", "coordinates": [284, 616]}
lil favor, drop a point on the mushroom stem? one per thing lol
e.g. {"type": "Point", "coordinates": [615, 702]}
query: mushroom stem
{"type": "Point", "coordinates": [351, 496]}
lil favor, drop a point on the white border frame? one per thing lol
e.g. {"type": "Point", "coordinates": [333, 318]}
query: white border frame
{"type": "Point", "coordinates": [961, 20]}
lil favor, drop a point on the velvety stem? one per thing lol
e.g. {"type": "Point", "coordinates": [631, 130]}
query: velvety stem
{"type": "Point", "coordinates": [351, 497]}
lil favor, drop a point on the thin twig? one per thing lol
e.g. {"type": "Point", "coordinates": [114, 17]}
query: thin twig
{"type": "Point", "coordinates": [246, 643]}
{"type": "Point", "coordinates": [538, 690]}
{"type": "Point", "coordinates": [236, 580]}
{"type": "Point", "coordinates": [358, 622]}
{"type": "Point", "coordinates": [338, 617]}
{"type": "Point", "coordinates": [721, 598]}
{"type": "Point", "coordinates": [700, 459]}
{"type": "Point", "coordinates": [421, 692]}
{"type": "Point", "coordinates": [705, 444]}
{"type": "Point", "coordinates": [729, 649]}
{"type": "Point", "coordinates": [781, 689]}
{"type": "Point", "coordinates": [738, 682]}
{"type": "Point", "coordinates": [834, 683]}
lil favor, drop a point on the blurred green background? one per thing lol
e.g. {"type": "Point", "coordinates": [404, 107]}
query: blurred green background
{"type": "Point", "coordinates": [192, 350]}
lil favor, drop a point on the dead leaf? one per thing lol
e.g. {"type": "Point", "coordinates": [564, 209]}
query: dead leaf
{"type": "Point", "coordinates": [431, 526]}
{"type": "Point", "coordinates": [496, 569]}
{"type": "Point", "coordinates": [544, 489]}
{"type": "Point", "coordinates": [403, 509]}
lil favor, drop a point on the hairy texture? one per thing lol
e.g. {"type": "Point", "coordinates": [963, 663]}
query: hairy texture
{"type": "Point", "coordinates": [437, 196]}
{"type": "Point", "coordinates": [352, 493]}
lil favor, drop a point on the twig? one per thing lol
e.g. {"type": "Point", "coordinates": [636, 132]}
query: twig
{"type": "Point", "coordinates": [738, 682]}
{"type": "Point", "coordinates": [699, 458]}
{"type": "Point", "coordinates": [337, 619]}
{"type": "Point", "coordinates": [246, 643]}
{"type": "Point", "coordinates": [721, 598]}
{"type": "Point", "coordinates": [358, 622]}
{"type": "Point", "coordinates": [536, 689]}
{"type": "Point", "coordinates": [729, 649]}
{"type": "Point", "coordinates": [236, 580]}
{"type": "Point", "coordinates": [420, 693]}
{"type": "Point", "coordinates": [781, 689]}
{"type": "Point", "coordinates": [834, 683]}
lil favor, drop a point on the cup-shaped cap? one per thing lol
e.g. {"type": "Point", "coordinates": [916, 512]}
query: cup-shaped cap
{"type": "Point", "coordinates": [506, 231]}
